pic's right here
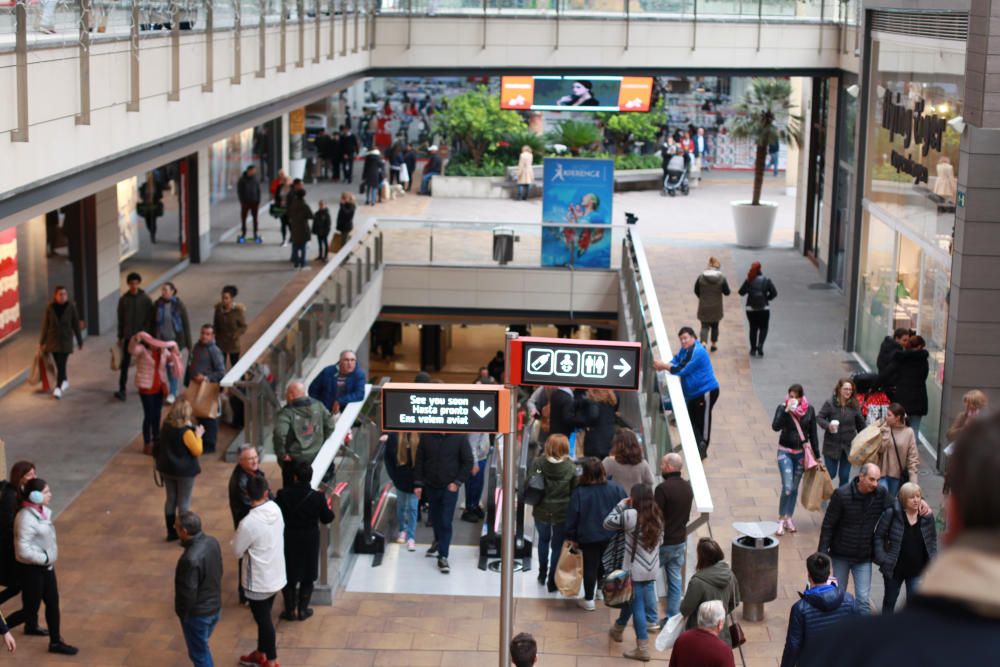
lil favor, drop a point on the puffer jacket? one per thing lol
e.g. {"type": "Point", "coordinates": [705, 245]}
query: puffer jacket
{"type": "Point", "coordinates": [788, 435]}
{"type": "Point", "coordinates": [35, 536]}
{"type": "Point", "coordinates": [560, 478]}
{"type": "Point", "coordinates": [819, 608]}
{"type": "Point", "coordinates": [694, 367]}
{"type": "Point", "coordinates": [144, 364]}
{"type": "Point", "coordinates": [716, 582]}
{"type": "Point", "coordinates": [851, 421]}
{"type": "Point", "coordinates": [260, 542]}
{"type": "Point", "coordinates": [645, 564]}
{"type": "Point", "coordinates": [710, 287]}
{"type": "Point", "coordinates": [889, 537]}
{"type": "Point", "coordinates": [850, 522]}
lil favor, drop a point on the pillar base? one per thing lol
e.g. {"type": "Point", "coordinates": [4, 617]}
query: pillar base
{"type": "Point", "coordinates": [753, 611]}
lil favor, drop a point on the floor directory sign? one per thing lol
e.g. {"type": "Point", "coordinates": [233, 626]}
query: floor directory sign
{"type": "Point", "coordinates": [579, 192]}
{"type": "Point", "coordinates": [445, 408]}
{"type": "Point", "coordinates": [575, 363]}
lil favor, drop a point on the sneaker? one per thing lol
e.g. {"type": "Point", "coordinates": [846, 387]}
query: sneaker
{"type": "Point", "coordinates": [241, 239]}
{"type": "Point", "coordinates": [790, 526]}
{"type": "Point", "coordinates": [57, 393]}
{"type": "Point", "coordinates": [284, 243]}
{"type": "Point", "coordinates": [254, 659]}
{"type": "Point", "coordinates": [401, 538]}
{"type": "Point", "coordinates": [433, 551]}
{"type": "Point", "coordinates": [443, 565]}
{"type": "Point", "coordinates": [714, 348]}
{"type": "Point", "coordinates": [781, 528]}
{"type": "Point", "coordinates": [411, 545]}
{"type": "Point", "coordinates": [170, 399]}
{"type": "Point", "coordinates": [64, 386]}
{"type": "Point", "coordinates": [653, 628]}
{"type": "Point", "coordinates": [586, 605]}
{"type": "Point", "coordinates": [120, 395]}
{"type": "Point", "coordinates": [37, 631]}
{"type": "Point", "coordinates": [258, 240]}
{"type": "Point", "coordinates": [599, 594]}
{"type": "Point", "coordinates": [470, 516]}
{"type": "Point", "coordinates": [62, 648]}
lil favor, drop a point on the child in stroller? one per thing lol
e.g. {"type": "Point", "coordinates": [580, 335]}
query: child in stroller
{"type": "Point", "coordinates": [677, 176]}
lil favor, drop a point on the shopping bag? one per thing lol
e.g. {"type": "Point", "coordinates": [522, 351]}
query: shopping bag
{"type": "Point", "coordinates": [35, 374]}
{"type": "Point", "coordinates": [874, 406]}
{"type": "Point", "coordinates": [116, 357]}
{"type": "Point", "coordinates": [47, 368]}
{"type": "Point", "coordinates": [404, 174]}
{"type": "Point", "coordinates": [817, 487]}
{"type": "Point", "coordinates": [672, 629]}
{"type": "Point", "coordinates": [569, 571]}
{"type": "Point", "coordinates": [866, 445]}
{"type": "Point", "coordinates": [204, 399]}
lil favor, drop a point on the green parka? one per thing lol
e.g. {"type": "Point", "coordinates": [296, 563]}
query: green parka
{"type": "Point", "coordinates": [301, 428]}
{"type": "Point", "coordinates": [560, 478]}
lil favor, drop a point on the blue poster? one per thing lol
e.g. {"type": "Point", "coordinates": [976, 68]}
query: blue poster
{"type": "Point", "coordinates": [577, 191]}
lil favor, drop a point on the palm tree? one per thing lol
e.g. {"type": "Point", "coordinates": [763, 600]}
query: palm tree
{"type": "Point", "coordinates": [764, 117]}
{"type": "Point", "coordinates": [575, 135]}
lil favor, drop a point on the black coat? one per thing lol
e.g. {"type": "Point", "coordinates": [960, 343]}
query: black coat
{"type": "Point", "coordinates": [239, 500]}
{"type": "Point", "coordinates": [373, 172]}
{"type": "Point", "coordinates": [849, 523]}
{"type": "Point", "coordinates": [851, 422]}
{"type": "Point", "coordinates": [135, 314]}
{"type": "Point", "coordinates": [563, 414]}
{"type": "Point", "coordinates": [908, 371]}
{"type": "Point", "coordinates": [410, 158]}
{"type": "Point", "coordinates": [8, 512]}
{"type": "Point", "coordinates": [198, 578]}
{"type": "Point", "coordinates": [321, 223]}
{"type": "Point", "coordinates": [788, 435]}
{"type": "Point", "coordinates": [600, 428]}
{"type": "Point", "coordinates": [303, 509]}
{"type": "Point", "coordinates": [442, 460]}
{"type": "Point", "coordinates": [401, 475]}
{"type": "Point", "coordinates": [886, 352]}
{"type": "Point", "coordinates": [345, 218]}
{"type": "Point", "coordinates": [889, 537]}
{"type": "Point", "coordinates": [173, 458]}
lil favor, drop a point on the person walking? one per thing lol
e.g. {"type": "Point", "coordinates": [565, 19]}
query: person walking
{"type": "Point", "coordinates": [444, 462]}
{"type": "Point", "coordinates": [349, 148]}
{"type": "Point", "coordinates": [559, 473]}
{"type": "Point", "coordinates": [37, 551]}
{"type": "Point", "coordinates": [282, 197]}
{"type": "Point", "coordinates": [299, 215]}
{"type": "Point", "coordinates": [372, 174]}
{"type": "Point", "coordinates": [207, 365]}
{"type": "Point", "coordinates": [11, 497]}
{"type": "Point", "coordinates": [480, 443]}
{"type": "Point", "coordinates": [197, 588]}
{"type": "Point", "coordinates": [702, 646]}
{"type": "Point", "coordinates": [400, 457]}
{"type": "Point", "coordinates": [639, 518]}
{"type": "Point", "coordinates": [177, 456]}
{"type": "Point", "coordinates": [172, 324]}
{"type": "Point", "coordinates": [248, 192]}
{"type": "Point", "coordinates": [300, 429]}
{"type": "Point", "coordinates": [899, 460]}
{"type": "Point", "coordinates": [247, 467]}
{"type": "Point", "coordinates": [841, 420]}
{"type": "Point", "coordinates": [713, 580]}
{"type": "Point", "coordinates": [433, 167]}
{"type": "Point", "coordinates": [230, 323]}
{"type": "Point", "coordinates": [601, 410]}
{"type": "Point", "coordinates": [321, 227]}
{"type": "Point", "coordinates": [525, 173]}
{"type": "Point", "coordinates": [303, 509]}
{"type": "Point", "coordinates": [410, 160]}
{"type": "Point", "coordinates": [710, 287]}
{"type": "Point", "coordinates": [345, 219]}
{"type": "Point", "coordinates": [150, 205]}
{"type": "Point", "coordinates": [905, 543]}
{"type": "Point", "coordinates": [626, 465]}
{"type": "Point", "coordinates": [60, 325]}
{"type": "Point", "coordinates": [593, 499]}
{"type": "Point", "coordinates": [910, 368]}
{"type": "Point", "coordinates": [795, 422]}
{"type": "Point", "coordinates": [701, 390]}
{"type": "Point", "coordinates": [760, 292]}
{"type": "Point", "coordinates": [674, 497]}
{"type": "Point", "coordinates": [135, 314]}
{"type": "Point", "coordinates": [821, 606]}
{"type": "Point", "coordinates": [259, 543]}
{"type": "Point", "coordinates": [152, 358]}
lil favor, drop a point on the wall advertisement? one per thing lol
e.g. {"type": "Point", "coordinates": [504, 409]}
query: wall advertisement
{"type": "Point", "coordinates": [10, 306]}
{"type": "Point", "coordinates": [577, 191]}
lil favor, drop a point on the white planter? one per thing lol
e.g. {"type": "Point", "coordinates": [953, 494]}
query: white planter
{"type": "Point", "coordinates": [754, 224]}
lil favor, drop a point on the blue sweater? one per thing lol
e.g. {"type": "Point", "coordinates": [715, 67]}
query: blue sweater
{"type": "Point", "coordinates": [694, 368]}
{"type": "Point", "coordinates": [819, 608]}
{"type": "Point", "coordinates": [324, 387]}
{"type": "Point", "coordinates": [587, 508]}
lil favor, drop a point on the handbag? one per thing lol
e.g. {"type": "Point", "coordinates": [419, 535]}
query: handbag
{"type": "Point", "coordinates": [534, 490]}
{"type": "Point", "coordinates": [35, 375]}
{"type": "Point", "coordinates": [866, 445]}
{"type": "Point", "coordinates": [736, 635]}
{"type": "Point", "coordinates": [276, 211]}
{"type": "Point", "coordinates": [116, 357]}
{"type": "Point", "coordinates": [569, 570]}
{"type": "Point", "coordinates": [672, 629]}
{"type": "Point", "coordinates": [617, 586]}
{"type": "Point", "coordinates": [904, 474]}
{"type": "Point", "coordinates": [809, 459]}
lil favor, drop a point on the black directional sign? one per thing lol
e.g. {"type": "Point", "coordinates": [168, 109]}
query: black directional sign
{"type": "Point", "coordinates": [440, 408]}
{"type": "Point", "coordinates": [575, 363]}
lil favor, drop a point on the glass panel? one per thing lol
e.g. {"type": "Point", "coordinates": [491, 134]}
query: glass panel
{"type": "Point", "coordinates": [877, 288]}
{"type": "Point", "coordinates": [935, 283]}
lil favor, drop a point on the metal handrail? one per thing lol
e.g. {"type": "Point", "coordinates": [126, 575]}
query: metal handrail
{"type": "Point", "coordinates": [331, 447]}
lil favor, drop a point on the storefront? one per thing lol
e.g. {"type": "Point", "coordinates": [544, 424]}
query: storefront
{"type": "Point", "coordinates": [914, 124]}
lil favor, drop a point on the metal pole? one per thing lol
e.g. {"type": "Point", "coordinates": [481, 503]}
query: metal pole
{"type": "Point", "coordinates": [21, 60]}
{"type": "Point", "coordinates": [760, 20]}
{"type": "Point", "coordinates": [507, 518]}
{"type": "Point", "coordinates": [484, 24]}
{"type": "Point", "coordinates": [628, 23]}
{"type": "Point", "coordinates": [86, 23]}
{"type": "Point", "coordinates": [694, 27]}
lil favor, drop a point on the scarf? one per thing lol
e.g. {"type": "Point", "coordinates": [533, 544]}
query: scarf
{"type": "Point", "coordinates": [798, 413]}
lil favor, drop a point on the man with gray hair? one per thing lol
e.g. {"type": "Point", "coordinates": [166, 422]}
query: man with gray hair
{"type": "Point", "coordinates": [300, 429]}
{"type": "Point", "coordinates": [197, 587]}
{"type": "Point", "coordinates": [247, 467]}
{"type": "Point", "coordinates": [701, 647]}
{"type": "Point", "coordinates": [674, 498]}
{"type": "Point", "coordinates": [339, 384]}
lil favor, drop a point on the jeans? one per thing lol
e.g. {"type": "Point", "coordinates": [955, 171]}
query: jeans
{"type": "Point", "coordinates": [672, 559]}
{"type": "Point", "coordinates": [758, 320]}
{"type": "Point", "coordinates": [171, 380]}
{"type": "Point", "coordinates": [123, 371]}
{"type": "Point", "coordinates": [641, 593]}
{"type": "Point", "coordinates": [323, 246]}
{"type": "Point", "coordinates": [709, 328]}
{"type": "Point", "coordinates": [406, 513]}
{"type": "Point", "coordinates": [298, 254]}
{"type": "Point", "coordinates": [425, 183]}
{"type": "Point", "coordinates": [211, 434]}
{"type": "Point", "coordinates": [250, 208]}
{"type": "Point", "coordinates": [152, 406]}
{"type": "Point", "coordinates": [348, 165]}
{"type": "Point", "coordinates": [60, 358]}
{"type": "Point", "coordinates": [38, 584]}
{"type": "Point", "coordinates": [284, 228]}
{"type": "Point", "coordinates": [839, 469]}
{"type": "Point", "coordinates": [915, 425]}
{"type": "Point", "coordinates": [550, 542]}
{"type": "Point", "coordinates": [891, 484]}
{"type": "Point", "coordinates": [197, 630]}
{"type": "Point", "coordinates": [522, 191]}
{"type": "Point", "coordinates": [261, 610]}
{"type": "Point", "coordinates": [371, 195]}
{"type": "Point", "coordinates": [474, 487]}
{"type": "Point", "coordinates": [892, 588]}
{"type": "Point", "coordinates": [791, 469]}
{"type": "Point", "coordinates": [700, 411]}
{"type": "Point", "coordinates": [593, 572]}
{"type": "Point", "coordinates": [442, 512]}
{"type": "Point", "coordinates": [862, 573]}
{"type": "Point", "coordinates": [179, 491]}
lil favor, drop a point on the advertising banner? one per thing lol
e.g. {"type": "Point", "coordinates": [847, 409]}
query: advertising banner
{"type": "Point", "coordinates": [10, 305]}
{"type": "Point", "coordinates": [576, 93]}
{"type": "Point", "coordinates": [577, 191]}
{"type": "Point", "coordinates": [128, 218]}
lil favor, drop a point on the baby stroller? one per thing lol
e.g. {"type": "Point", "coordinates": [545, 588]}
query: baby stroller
{"type": "Point", "coordinates": [676, 178]}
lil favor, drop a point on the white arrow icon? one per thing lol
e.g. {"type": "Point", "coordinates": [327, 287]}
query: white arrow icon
{"type": "Point", "coordinates": [622, 367]}
{"type": "Point", "coordinates": [482, 409]}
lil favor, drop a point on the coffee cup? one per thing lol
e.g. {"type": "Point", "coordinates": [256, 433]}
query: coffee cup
{"type": "Point", "coordinates": [834, 425]}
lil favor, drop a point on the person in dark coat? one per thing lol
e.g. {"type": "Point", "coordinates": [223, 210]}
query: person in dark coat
{"type": "Point", "coordinates": [345, 219]}
{"type": "Point", "coordinates": [372, 174]}
{"type": "Point", "coordinates": [150, 205]}
{"type": "Point", "coordinates": [303, 509]}
{"type": "Point", "coordinates": [176, 455]}
{"type": "Point", "coordinates": [135, 314]}
{"type": "Point", "coordinates": [795, 421]}
{"type": "Point", "coordinates": [840, 419]}
{"type": "Point", "coordinates": [760, 292]}
{"type": "Point", "coordinates": [905, 543]}
{"type": "Point", "coordinates": [348, 149]}
{"type": "Point", "coordinates": [909, 369]}
{"type": "Point", "coordinates": [400, 457]}
{"type": "Point", "coordinates": [248, 191]}
{"type": "Point", "coordinates": [11, 497]}
{"type": "Point", "coordinates": [410, 159]}
{"type": "Point", "coordinates": [599, 408]}
{"type": "Point", "coordinates": [710, 287]}
{"type": "Point", "coordinates": [674, 496]}
{"type": "Point", "coordinates": [821, 606]}
{"type": "Point", "coordinates": [299, 215]}
{"type": "Point", "coordinates": [321, 228]}
{"type": "Point", "coordinates": [444, 463]}
{"type": "Point", "coordinates": [60, 326]}
{"type": "Point", "coordinates": [197, 587]}
{"type": "Point", "coordinates": [897, 342]}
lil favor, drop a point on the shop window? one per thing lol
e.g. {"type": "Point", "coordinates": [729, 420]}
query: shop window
{"type": "Point", "coordinates": [878, 288]}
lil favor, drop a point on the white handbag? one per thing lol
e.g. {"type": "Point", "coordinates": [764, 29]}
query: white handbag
{"type": "Point", "coordinates": [672, 629]}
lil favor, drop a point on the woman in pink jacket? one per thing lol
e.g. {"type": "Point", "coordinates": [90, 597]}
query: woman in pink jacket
{"type": "Point", "coordinates": [151, 357]}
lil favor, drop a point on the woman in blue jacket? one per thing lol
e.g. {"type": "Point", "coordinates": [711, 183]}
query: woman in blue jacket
{"type": "Point", "coordinates": [701, 390]}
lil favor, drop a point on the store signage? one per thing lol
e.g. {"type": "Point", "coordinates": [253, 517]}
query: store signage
{"type": "Point", "coordinates": [926, 130]}
{"type": "Point", "coordinates": [960, 200]}
{"type": "Point", "coordinates": [445, 408]}
{"type": "Point", "coordinates": [570, 363]}
{"type": "Point", "coordinates": [297, 122]}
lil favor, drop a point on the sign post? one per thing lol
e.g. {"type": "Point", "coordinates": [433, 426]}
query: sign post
{"type": "Point", "coordinates": [507, 536]}
{"type": "Point", "coordinates": [444, 408]}
{"type": "Point", "coordinates": [561, 362]}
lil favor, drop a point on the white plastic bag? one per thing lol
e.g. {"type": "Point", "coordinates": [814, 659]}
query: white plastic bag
{"type": "Point", "coordinates": [672, 629]}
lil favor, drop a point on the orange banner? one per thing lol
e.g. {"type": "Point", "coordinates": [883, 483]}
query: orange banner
{"type": "Point", "coordinates": [635, 93]}
{"type": "Point", "coordinates": [517, 92]}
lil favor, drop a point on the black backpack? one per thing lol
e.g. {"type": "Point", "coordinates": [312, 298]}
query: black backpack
{"type": "Point", "coordinates": [757, 295]}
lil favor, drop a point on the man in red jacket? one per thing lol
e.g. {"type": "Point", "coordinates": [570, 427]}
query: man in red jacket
{"type": "Point", "coordinates": [702, 647]}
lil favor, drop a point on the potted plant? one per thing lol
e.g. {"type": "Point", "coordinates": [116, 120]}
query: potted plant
{"type": "Point", "coordinates": [764, 117]}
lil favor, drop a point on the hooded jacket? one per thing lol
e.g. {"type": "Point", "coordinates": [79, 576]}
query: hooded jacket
{"type": "Point", "coordinates": [694, 368]}
{"type": "Point", "coordinates": [716, 582]}
{"type": "Point", "coordinates": [35, 536]}
{"type": "Point", "coordinates": [710, 287]}
{"type": "Point", "coordinates": [819, 608]}
{"type": "Point", "coordinates": [851, 422]}
{"type": "Point", "coordinates": [229, 326]}
{"type": "Point", "coordinates": [588, 506]}
{"type": "Point", "coordinates": [146, 366]}
{"type": "Point", "coordinates": [260, 542]}
{"type": "Point", "coordinates": [560, 478]}
{"type": "Point", "coordinates": [301, 428]}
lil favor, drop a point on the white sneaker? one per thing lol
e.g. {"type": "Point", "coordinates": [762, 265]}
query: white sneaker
{"type": "Point", "coordinates": [411, 545]}
{"type": "Point", "coordinates": [586, 605]}
{"type": "Point", "coordinates": [57, 392]}
{"type": "Point", "coordinates": [170, 399]}
{"type": "Point", "coordinates": [65, 385]}
{"type": "Point", "coordinates": [598, 594]}
{"type": "Point", "coordinates": [401, 538]}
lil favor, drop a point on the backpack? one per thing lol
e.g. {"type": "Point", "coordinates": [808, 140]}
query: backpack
{"type": "Point", "coordinates": [757, 295]}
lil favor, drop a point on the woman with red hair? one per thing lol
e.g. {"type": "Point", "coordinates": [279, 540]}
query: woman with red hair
{"type": "Point", "coordinates": [759, 291]}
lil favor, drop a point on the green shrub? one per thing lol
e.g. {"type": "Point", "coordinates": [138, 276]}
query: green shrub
{"type": "Point", "coordinates": [625, 162]}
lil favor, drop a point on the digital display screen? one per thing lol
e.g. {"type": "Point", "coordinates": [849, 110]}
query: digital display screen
{"type": "Point", "coordinates": [576, 93]}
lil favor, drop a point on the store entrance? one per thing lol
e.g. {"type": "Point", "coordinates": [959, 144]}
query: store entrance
{"type": "Point", "coordinates": [817, 167]}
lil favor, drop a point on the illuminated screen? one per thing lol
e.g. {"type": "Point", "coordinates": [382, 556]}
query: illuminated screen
{"type": "Point", "coordinates": [576, 93]}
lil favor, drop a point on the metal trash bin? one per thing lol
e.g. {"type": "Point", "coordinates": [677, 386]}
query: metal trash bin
{"type": "Point", "coordinates": [503, 245]}
{"type": "Point", "coordinates": [755, 564]}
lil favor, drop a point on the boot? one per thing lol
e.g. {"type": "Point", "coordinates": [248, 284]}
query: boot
{"type": "Point", "coordinates": [616, 632]}
{"type": "Point", "coordinates": [171, 532]}
{"type": "Point", "coordinates": [542, 572]}
{"type": "Point", "coordinates": [641, 652]}
{"type": "Point", "coordinates": [288, 593]}
{"type": "Point", "coordinates": [305, 594]}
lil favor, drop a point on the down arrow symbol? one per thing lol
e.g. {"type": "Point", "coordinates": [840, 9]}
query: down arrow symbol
{"type": "Point", "coordinates": [482, 409]}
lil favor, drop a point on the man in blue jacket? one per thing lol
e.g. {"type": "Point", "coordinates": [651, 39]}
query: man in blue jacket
{"type": "Point", "coordinates": [339, 384]}
{"type": "Point", "coordinates": [701, 390]}
{"type": "Point", "coordinates": [822, 604]}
